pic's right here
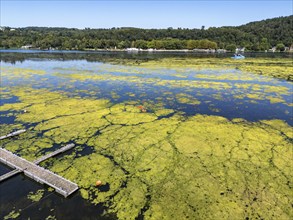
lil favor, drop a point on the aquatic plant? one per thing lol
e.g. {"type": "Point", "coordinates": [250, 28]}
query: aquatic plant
{"type": "Point", "coordinates": [51, 217]}
{"type": "Point", "coordinates": [12, 215]}
{"type": "Point", "coordinates": [186, 99]}
{"type": "Point", "coordinates": [199, 167]}
{"type": "Point", "coordinates": [35, 197]}
{"type": "Point", "coordinates": [279, 68]}
{"type": "Point", "coordinates": [152, 159]}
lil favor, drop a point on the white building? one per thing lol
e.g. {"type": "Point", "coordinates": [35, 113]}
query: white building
{"type": "Point", "coordinates": [26, 47]}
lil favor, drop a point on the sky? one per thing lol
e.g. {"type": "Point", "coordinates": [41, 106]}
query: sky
{"type": "Point", "coordinates": [142, 14]}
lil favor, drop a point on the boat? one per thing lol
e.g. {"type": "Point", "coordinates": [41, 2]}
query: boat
{"type": "Point", "coordinates": [238, 57]}
{"type": "Point", "coordinates": [132, 49]}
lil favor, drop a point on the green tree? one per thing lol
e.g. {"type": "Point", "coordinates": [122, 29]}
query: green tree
{"type": "Point", "coordinates": [141, 44]}
{"type": "Point", "coordinates": [192, 44]}
{"type": "Point", "coordinates": [68, 44]}
{"type": "Point", "coordinates": [212, 45]}
{"type": "Point", "coordinates": [124, 44]}
{"type": "Point", "coordinates": [159, 44]}
{"type": "Point", "coordinates": [151, 44]}
{"type": "Point", "coordinates": [256, 46]}
{"type": "Point", "coordinates": [253, 36]}
{"type": "Point", "coordinates": [280, 47]}
{"type": "Point", "coordinates": [231, 47]}
{"type": "Point", "coordinates": [264, 44]}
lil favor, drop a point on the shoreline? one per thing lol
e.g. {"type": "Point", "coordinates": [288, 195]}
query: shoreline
{"type": "Point", "coordinates": [123, 50]}
{"type": "Point", "coordinates": [195, 51]}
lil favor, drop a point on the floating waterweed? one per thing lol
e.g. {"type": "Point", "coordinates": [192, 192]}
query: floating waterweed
{"type": "Point", "coordinates": [12, 215]}
{"type": "Point", "coordinates": [35, 197]}
{"type": "Point", "coordinates": [149, 161]}
{"type": "Point", "coordinates": [186, 99]}
{"type": "Point", "coordinates": [211, 166]}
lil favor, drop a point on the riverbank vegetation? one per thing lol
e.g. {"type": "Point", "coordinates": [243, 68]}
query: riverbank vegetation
{"type": "Point", "coordinates": [255, 36]}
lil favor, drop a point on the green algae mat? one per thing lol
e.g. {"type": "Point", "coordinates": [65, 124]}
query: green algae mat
{"type": "Point", "coordinates": [169, 138]}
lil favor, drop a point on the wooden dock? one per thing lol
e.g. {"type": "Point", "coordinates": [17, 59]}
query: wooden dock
{"type": "Point", "coordinates": [9, 174]}
{"type": "Point", "coordinates": [54, 153]}
{"type": "Point", "coordinates": [39, 174]}
{"type": "Point", "coordinates": [41, 159]}
{"type": "Point", "coordinates": [13, 134]}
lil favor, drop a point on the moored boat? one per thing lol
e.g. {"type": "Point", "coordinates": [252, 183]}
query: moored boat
{"type": "Point", "coordinates": [238, 56]}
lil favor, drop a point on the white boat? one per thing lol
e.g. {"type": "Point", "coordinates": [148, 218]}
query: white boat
{"type": "Point", "coordinates": [238, 57]}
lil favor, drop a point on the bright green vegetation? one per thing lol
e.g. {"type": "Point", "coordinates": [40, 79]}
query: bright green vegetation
{"type": "Point", "coordinates": [278, 68]}
{"type": "Point", "coordinates": [16, 73]}
{"type": "Point", "coordinates": [281, 68]}
{"type": "Point", "coordinates": [277, 32]}
{"type": "Point", "coordinates": [233, 76]}
{"type": "Point", "coordinates": [186, 99]}
{"type": "Point", "coordinates": [12, 215]}
{"type": "Point", "coordinates": [221, 75]}
{"type": "Point", "coordinates": [35, 197]}
{"type": "Point", "coordinates": [152, 159]}
{"type": "Point", "coordinates": [132, 71]}
{"type": "Point", "coordinates": [176, 167]}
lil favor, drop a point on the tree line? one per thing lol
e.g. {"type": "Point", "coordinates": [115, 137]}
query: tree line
{"type": "Point", "coordinates": [254, 36]}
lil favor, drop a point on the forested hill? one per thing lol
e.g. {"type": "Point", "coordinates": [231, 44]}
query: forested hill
{"type": "Point", "coordinates": [276, 29]}
{"type": "Point", "coordinates": [254, 36]}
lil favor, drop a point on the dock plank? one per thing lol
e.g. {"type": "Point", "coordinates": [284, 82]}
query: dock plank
{"type": "Point", "coordinates": [41, 175]}
{"type": "Point", "coordinates": [41, 159]}
{"type": "Point", "coordinates": [9, 174]}
{"type": "Point", "coordinates": [13, 134]}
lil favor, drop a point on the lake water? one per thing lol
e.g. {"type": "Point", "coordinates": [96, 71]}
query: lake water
{"type": "Point", "coordinates": [130, 86]}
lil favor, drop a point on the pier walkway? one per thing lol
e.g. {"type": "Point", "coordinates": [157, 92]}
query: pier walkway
{"type": "Point", "coordinates": [41, 159]}
{"type": "Point", "coordinates": [13, 134]}
{"type": "Point", "coordinates": [54, 153]}
{"type": "Point", "coordinates": [39, 174]}
{"type": "Point", "coordinates": [9, 174]}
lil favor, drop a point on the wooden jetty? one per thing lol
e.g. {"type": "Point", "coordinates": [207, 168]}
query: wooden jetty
{"type": "Point", "coordinates": [13, 134]}
{"type": "Point", "coordinates": [9, 174]}
{"type": "Point", "coordinates": [41, 175]}
{"type": "Point", "coordinates": [41, 159]}
{"type": "Point", "coordinates": [54, 153]}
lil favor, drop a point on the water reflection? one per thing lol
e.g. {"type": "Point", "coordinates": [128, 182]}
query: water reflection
{"type": "Point", "coordinates": [14, 56]}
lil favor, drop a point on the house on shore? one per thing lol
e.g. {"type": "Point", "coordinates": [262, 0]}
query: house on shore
{"type": "Point", "coordinates": [240, 50]}
{"type": "Point", "coordinates": [132, 49]}
{"type": "Point", "coordinates": [27, 47]}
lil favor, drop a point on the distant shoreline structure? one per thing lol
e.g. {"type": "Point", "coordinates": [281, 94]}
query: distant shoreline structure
{"type": "Point", "coordinates": [137, 50]}
{"type": "Point", "coordinates": [176, 50]}
{"type": "Point", "coordinates": [128, 50]}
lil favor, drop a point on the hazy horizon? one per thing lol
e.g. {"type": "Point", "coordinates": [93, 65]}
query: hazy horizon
{"type": "Point", "coordinates": [134, 27]}
{"type": "Point", "coordinates": [142, 14]}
